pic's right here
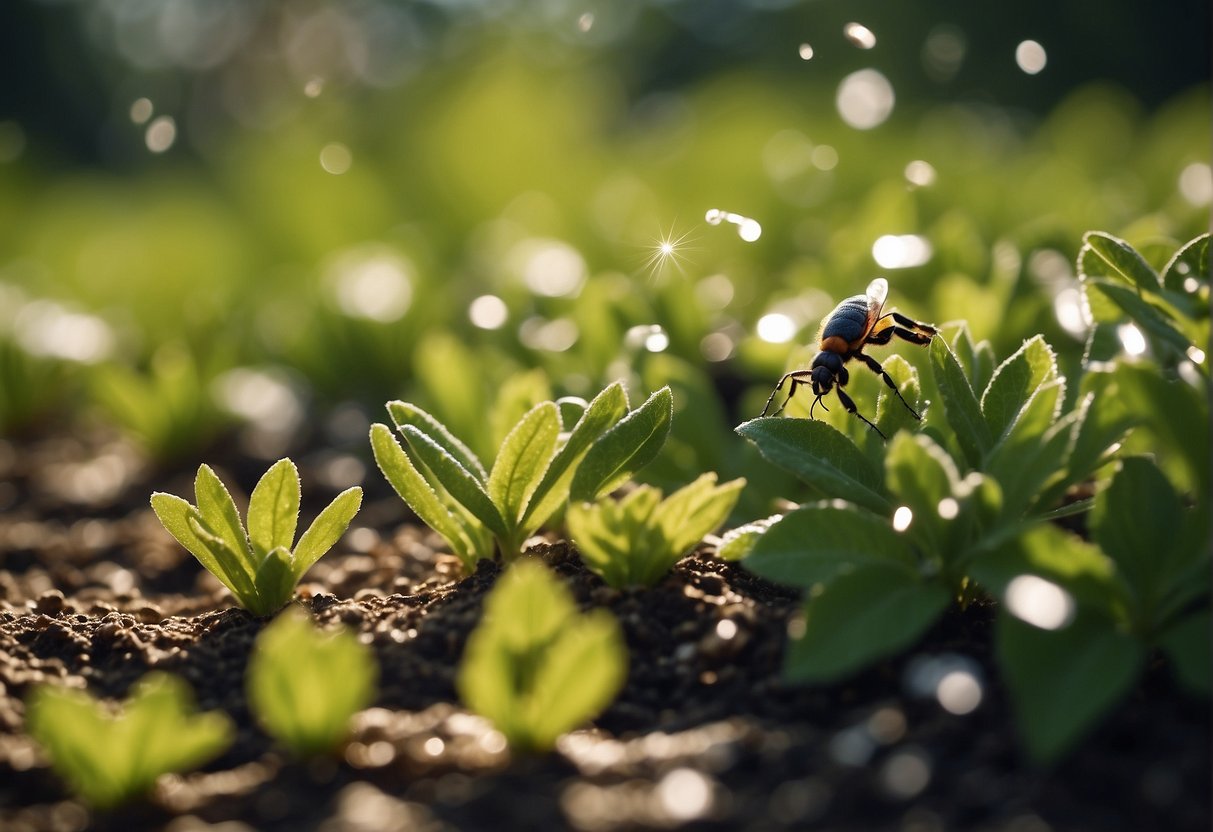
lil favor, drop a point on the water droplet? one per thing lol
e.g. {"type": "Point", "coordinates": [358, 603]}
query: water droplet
{"type": "Point", "coordinates": [1196, 354]}
{"type": "Point", "coordinates": [749, 230]}
{"type": "Point", "coordinates": [859, 35]}
{"type": "Point", "coordinates": [714, 216]}
{"type": "Point", "coordinates": [806, 52]}
{"type": "Point", "coordinates": [865, 99]}
{"type": "Point", "coordinates": [902, 518]}
{"type": "Point", "coordinates": [1040, 603]}
{"type": "Point", "coordinates": [1031, 57]}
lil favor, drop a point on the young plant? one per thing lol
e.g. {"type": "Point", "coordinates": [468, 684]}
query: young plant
{"type": "Point", "coordinates": [636, 540]}
{"type": "Point", "coordinates": [535, 666]}
{"type": "Point", "coordinates": [1080, 619]}
{"type": "Point", "coordinates": [304, 684]}
{"type": "Point", "coordinates": [898, 543]}
{"type": "Point", "coordinates": [261, 566]}
{"type": "Point", "coordinates": [112, 755]}
{"type": "Point", "coordinates": [538, 467]}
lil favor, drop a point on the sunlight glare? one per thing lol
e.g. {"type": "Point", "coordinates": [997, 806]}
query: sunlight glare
{"type": "Point", "coordinates": [902, 518]}
{"type": "Point", "coordinates": [488, 312]}
{"type": "Point", "coordinates": [1040, 603]}
{"type": "Point", "coordinates": [859, 35]}
{"type": "Point", "coordinates": [901, 251]}
{"type": "Point", "coordinates": [776, 328]}
{"type": "Point", "coordinates": [1132, 339]}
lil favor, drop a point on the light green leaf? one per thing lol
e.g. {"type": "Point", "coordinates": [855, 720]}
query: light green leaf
{"type": "Point", "coordinates": [819, 542]}
{"type": "Point", "coordinates": [607, 408]}
{"type": "Point", "coordinates": [1122, 260]}
{"type": "Point", "coordinates": [303, 684]}
{"type": "Point", "coordinates": [519, 394]}
{"type": "Point", "coordinates": [1187, 645]}
{"type": "Point", "coordinates": [405, 413]}
{"type": "Point", "coordinates": [462, 485]}
{"type": "Point", "coordinates": [891, 415]}
{"type": "Point", "coordinates": [327, 529]}
{"type": "Point", "coordinates": [273, 509]}
{"type": "Point", "coordinates": [737, 544]}
{"type": "Point", "coordinates": [1176, 414]}
{"type": "Point", "coordinates": [175, 515]}
{"type": "Point", "coordinates": [625, 448]}
{"type": "Point", "coordinates": [693, 511]}
{"type": "Point", "coordinates": [522, 461]}
{"type": "Point", "coordinates": [1190, 262]}
{"type": "Point", "coordinates": [528, 606]}
{"type": "Point", "coordinates": [1063, 681]}
{"type": "Point", "coordinates": [417, 493]}
{"type": "Point", "coordinates": [1015, 381]}
{"type": "Point", "coordinates": [218, 510]}
{"type": "Point", "coordinates": [1146, 314]}
{"type": "Point", "coordinates": [820, 456]}
{"type": "Point", "coordinates": [861, 617]}
{"type": "Point", "coordinates": [960, 404]}
{"type": "Point", "coordinates": [1033, 450]}
{"type": "Point", "coordinates": [231, 570]}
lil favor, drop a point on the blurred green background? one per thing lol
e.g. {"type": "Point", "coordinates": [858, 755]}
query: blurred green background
{"type": "Point", "coordinates": [275, 216]}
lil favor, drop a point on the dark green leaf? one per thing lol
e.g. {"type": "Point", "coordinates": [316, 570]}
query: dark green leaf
{"type": "Point", "coordinates": [1015, 381]}
{"type": "Point", "coordinates": [891, 415]}
{"type": "Point", "coordinates": [1190, 262]}
{"type": "Point", "coordinates": [1187, 645]}
{"type": "Point", "coordinates": [820, 456]}
{"type": "Point", "coordinates": [821, 541]}
{"type": "Point", "coordinates": [1049, 552]}
{"type": "Point", "coordinates": [1145, 314]}
{"type": "Point", "coordinates": [960, 404]}
{"type": "Point", "coordinates": [463, 485]}
{"type": "Point", "coordinates": [861, 617]}
{"type": "Point", "coordinates": [1063, 681]}
{"type": "Point", "coordinates": [920, 475]}
{"type": "Point", "coordinates": [405, 413]}
{"type": "Point", "coordinates": [625, 448]}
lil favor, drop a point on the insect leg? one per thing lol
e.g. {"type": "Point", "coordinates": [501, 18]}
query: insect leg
{"type": "Point", "coordinates": [875, 367]}
{"type": "Point", "coordinates": [797, 377]}
{"type": "Point", "coordinates": [849, 404]}
{"type": "Point", "coordinates": [910, 323]}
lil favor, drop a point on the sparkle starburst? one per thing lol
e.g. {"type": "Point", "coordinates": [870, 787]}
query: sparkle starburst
{"type": "Point", "coordinates": [666, 252]}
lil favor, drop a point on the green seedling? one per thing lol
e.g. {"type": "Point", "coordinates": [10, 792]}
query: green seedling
{"type": "Point", "coordinates": [304, 684]}
{"type": "Point", "coordinates": [538, 467]}
{"type": "Point", "coordinates": [262, 565]}
{"type": "Point", "coordinates": [535, 666]}
{"type": "Point", "coordinates": [168, 410]}
{"type": "Point", "coordinates": [1080, 619]}
{"type": "Point", "coordinates": [898, 541]}
{"type": "Point", "coordinates": [636, 540]}
{"type": "Point", "coordinates": [111, 755]}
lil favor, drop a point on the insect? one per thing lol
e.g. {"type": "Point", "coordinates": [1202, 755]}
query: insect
{"type": "Point", "coordinates": [854, 323]}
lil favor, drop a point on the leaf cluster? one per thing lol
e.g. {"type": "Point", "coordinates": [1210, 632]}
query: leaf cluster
{"type": "Point", "coordinates": [637, 539]}
{"type": "Point", "coordinates": [304, 684]}
{"type": "Point", "coordinates": [110, 756]}
{"type": "Point", "coordinates": [538, 468]}
{"type": "Point", "coordinates": [535, 666]}
{"type": "Point", "coordinates": [262, 565]}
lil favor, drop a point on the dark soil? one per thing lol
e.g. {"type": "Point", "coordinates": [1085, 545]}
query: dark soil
{"type": "Point", "coordinates": [705, 734]}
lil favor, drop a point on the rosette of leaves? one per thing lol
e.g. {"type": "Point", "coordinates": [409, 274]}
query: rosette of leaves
{"type": "Point", "coordinates": [261, 566]}
{"type": "Point", "coordinates": [535, 666]}
{"type": "Point", "coordinates": [110, 755]}
{"type": "Point", "coordinates": [305, 684]}
{"type": "Point", "coordinates": [538, 466]}
{"type": "Point", "coordinates": [634, 541]}
{"type": "Point", "coordinates": [896, 541]}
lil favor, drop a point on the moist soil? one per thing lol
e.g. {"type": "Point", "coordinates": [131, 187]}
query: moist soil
{"type": "Point", "coordinates": [706, 734]}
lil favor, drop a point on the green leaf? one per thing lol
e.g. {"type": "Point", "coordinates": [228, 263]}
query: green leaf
{"type": "Point", "coordinates": [523, 460]}
{"type": "Point", "coordinates": [921, 475]}
{"type": "Point", "coordinates": [231, 569]}
{"type": "Point", "coordinates": [737, 544]}
{"type": "Point", "coordinates": [175, 515]}
{"type": "Point", "coordinates": [218, 510]}
{"type": "Point", "coordinates": [819, 542]}
{"type": "Point", "coordinates": [1177, 415]}
{"type": "Point", "coordinates": [1144, 313]}
{"type": "Point", "coordinates": [273, 509]}
{"type": "Point", "coordinates": [534, 666]}
{"type": "Point", "coordinates": [405, 413]}
{"type": "Point", "coordinates": [303, 684]}
{"type": "Point", "coordinates": [1015, 381]}
{"type": "Point", "coordinates": [1123, 260]}
{"type": "Point", "coordinates": [1137, 522]}
{"type": "Point", "coordinates": [275, 581]}
{"type": "Point", "coordinates": [861, 617]}
{"type": "Point", "coordinates": [820, 456]}
{"type": "Point", "coordinates": [891, 415]}
{"type": "Point", "coordinates": [1063, 681]}
{"type": "Point", "coordinates": [462, 485]}
{"type": "Point", "coordinates": [1187, 645]}
{"type": "Point", "coordinates": [1191, 261]}
{"type": "Point", "coordinates": [960, 404]}
{"type": "Point", "coordinates": [327, 529]}
{"type": "Point", "coordinates": [1050, 552]}
{"type": "Point", "coordinates": [625, 448]}
{"type": "Point", "coordinates": [1033, 450]}
{"type": "Point", "coordinates": [417, 493]}
{"type": "Point", "coordinates": [519, 393]}
{"type": "Point", "coordinates": [110, 759]}
{"type": "Point", "coordinates": [607, 408]}
{"type": "Point", "coordinates": [693, 511]}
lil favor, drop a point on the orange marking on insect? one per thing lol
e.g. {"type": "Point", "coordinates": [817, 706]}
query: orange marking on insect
{"type": "Point", "coordinates": [835, 344]}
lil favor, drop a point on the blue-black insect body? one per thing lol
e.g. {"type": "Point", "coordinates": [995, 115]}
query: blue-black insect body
{"type": "Point", "coordinates": [854, 323]}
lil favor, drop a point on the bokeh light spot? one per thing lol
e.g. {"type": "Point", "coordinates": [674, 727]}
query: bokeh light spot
{"type": "Point", "coordinates": [901, 251]}
{"type": "Point", "coordinates": [1031, 57]}
{"type": "Point", "coordinates": [336, 158]}
{"type": "Point", "coordinates": [902, 518]}
{"type": "Point", "coordinates": [1040, 603]}
{"type": "Point", "coordinates": [161, 134]}
{"type": "Point", "coordinates": [488, 312]}
{"type": "Point", "coordinates": [859, 35]}
{"type": "Point", "coordinates": [1196, 183]}
{"type": "Point", "coordinates": [776, 328]}
{"type": "Point", "coordinates": [805, 51]}
{"type": "Point", "coordinates": [865, 99]}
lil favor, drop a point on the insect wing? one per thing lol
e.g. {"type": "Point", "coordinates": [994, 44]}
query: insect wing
{"type": "Point", "coordinates": [877, 291]}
